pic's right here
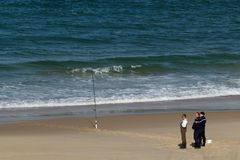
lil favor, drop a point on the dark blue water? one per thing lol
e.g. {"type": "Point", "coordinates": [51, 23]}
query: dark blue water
{"type": "Point", "coordinates": [139, 50]}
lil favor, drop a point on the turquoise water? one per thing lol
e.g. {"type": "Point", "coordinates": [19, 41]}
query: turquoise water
{"type": "Point", "coordinates": [139, 51]}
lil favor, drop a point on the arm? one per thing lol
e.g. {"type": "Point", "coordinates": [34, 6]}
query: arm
{"type": "Point", "coordinates": [194, 125]}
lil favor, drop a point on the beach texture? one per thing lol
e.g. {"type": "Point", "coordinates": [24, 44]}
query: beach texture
{"type": "Point", "coordinates": [145, 57]}
{"type": "Point", "coordinates": [142, 137]}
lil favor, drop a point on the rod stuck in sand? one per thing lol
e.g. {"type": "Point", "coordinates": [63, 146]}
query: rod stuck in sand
{"type": "Point", "coordinates": [94, 101]}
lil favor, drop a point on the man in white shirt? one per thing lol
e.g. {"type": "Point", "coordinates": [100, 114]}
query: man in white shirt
{"type": "Point", "coordinates": [183, 129]}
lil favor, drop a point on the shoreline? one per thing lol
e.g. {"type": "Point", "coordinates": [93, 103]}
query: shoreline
{"type": "Point", "coordinates": [234, 97]}
{"type": "Point", "coordinates": [210, 104]}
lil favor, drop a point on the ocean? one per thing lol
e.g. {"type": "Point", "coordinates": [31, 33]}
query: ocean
{"type": "Point", "coordinates": [139, 51]}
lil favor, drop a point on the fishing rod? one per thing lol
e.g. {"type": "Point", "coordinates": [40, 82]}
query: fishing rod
{"type": "Point", "coordinates": [94, 101]}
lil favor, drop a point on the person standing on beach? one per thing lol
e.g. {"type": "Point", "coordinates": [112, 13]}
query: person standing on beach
{"type": "Point", "coordinates": [203, 126]}
{"type": "Point", "coordinates": [197, 129]}
{"type": "Point", "coordinates": [183, 129]}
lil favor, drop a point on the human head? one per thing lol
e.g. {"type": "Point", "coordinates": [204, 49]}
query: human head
{"type": "Point", "coordinates": [184, 116]}
{"type": "Point", "coordinates": [197, 114]}
{"type": "Point", "coordinates": [202, 114]}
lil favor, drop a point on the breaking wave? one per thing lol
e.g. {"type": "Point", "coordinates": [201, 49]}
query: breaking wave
{"type": "Point", "coordinates": [135, 65]}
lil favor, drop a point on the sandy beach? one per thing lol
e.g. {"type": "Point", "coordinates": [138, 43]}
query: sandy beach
{"type": "Point", "coordinates": [149, 136]}
{"type": "Point", "coordinates": [138, 66]}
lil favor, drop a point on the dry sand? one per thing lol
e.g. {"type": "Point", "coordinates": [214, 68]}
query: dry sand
{"type": "Point", "coordinates": [140, 137]}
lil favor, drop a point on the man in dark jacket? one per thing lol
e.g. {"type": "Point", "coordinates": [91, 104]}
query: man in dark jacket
{"type": "Point", "coordinates": [203, 126]}
{"type": "Point", "coordinates": [197, 128]}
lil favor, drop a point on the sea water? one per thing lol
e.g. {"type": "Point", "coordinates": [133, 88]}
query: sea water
{"type": "Point", "coordinates": [138, 51]}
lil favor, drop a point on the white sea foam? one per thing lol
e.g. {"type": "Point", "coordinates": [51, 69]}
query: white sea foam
{"type": "Point", "coordinates": [151, 96]}
{"type": "Point", "coordinates": [136, 66]}
{"type": "Point", "coordinates": [117, 68]}
{"type": "Point", "coordinates": [77, 90]}
{"type": "Point", "coordinates": [101, 70]}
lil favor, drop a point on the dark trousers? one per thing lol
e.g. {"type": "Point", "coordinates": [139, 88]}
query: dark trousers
{"type": "Point", "coordinates": [202, 137]}
{"type": "Point", "coordinates": [196, 138]}
{"type": "Point", "coordinates": [183, 136]}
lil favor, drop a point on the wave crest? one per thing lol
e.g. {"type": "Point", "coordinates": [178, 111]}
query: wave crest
{"type": "Point", "coordinates": [116, 69]}
{"type": "Point", "coordinates": [163, 64]}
